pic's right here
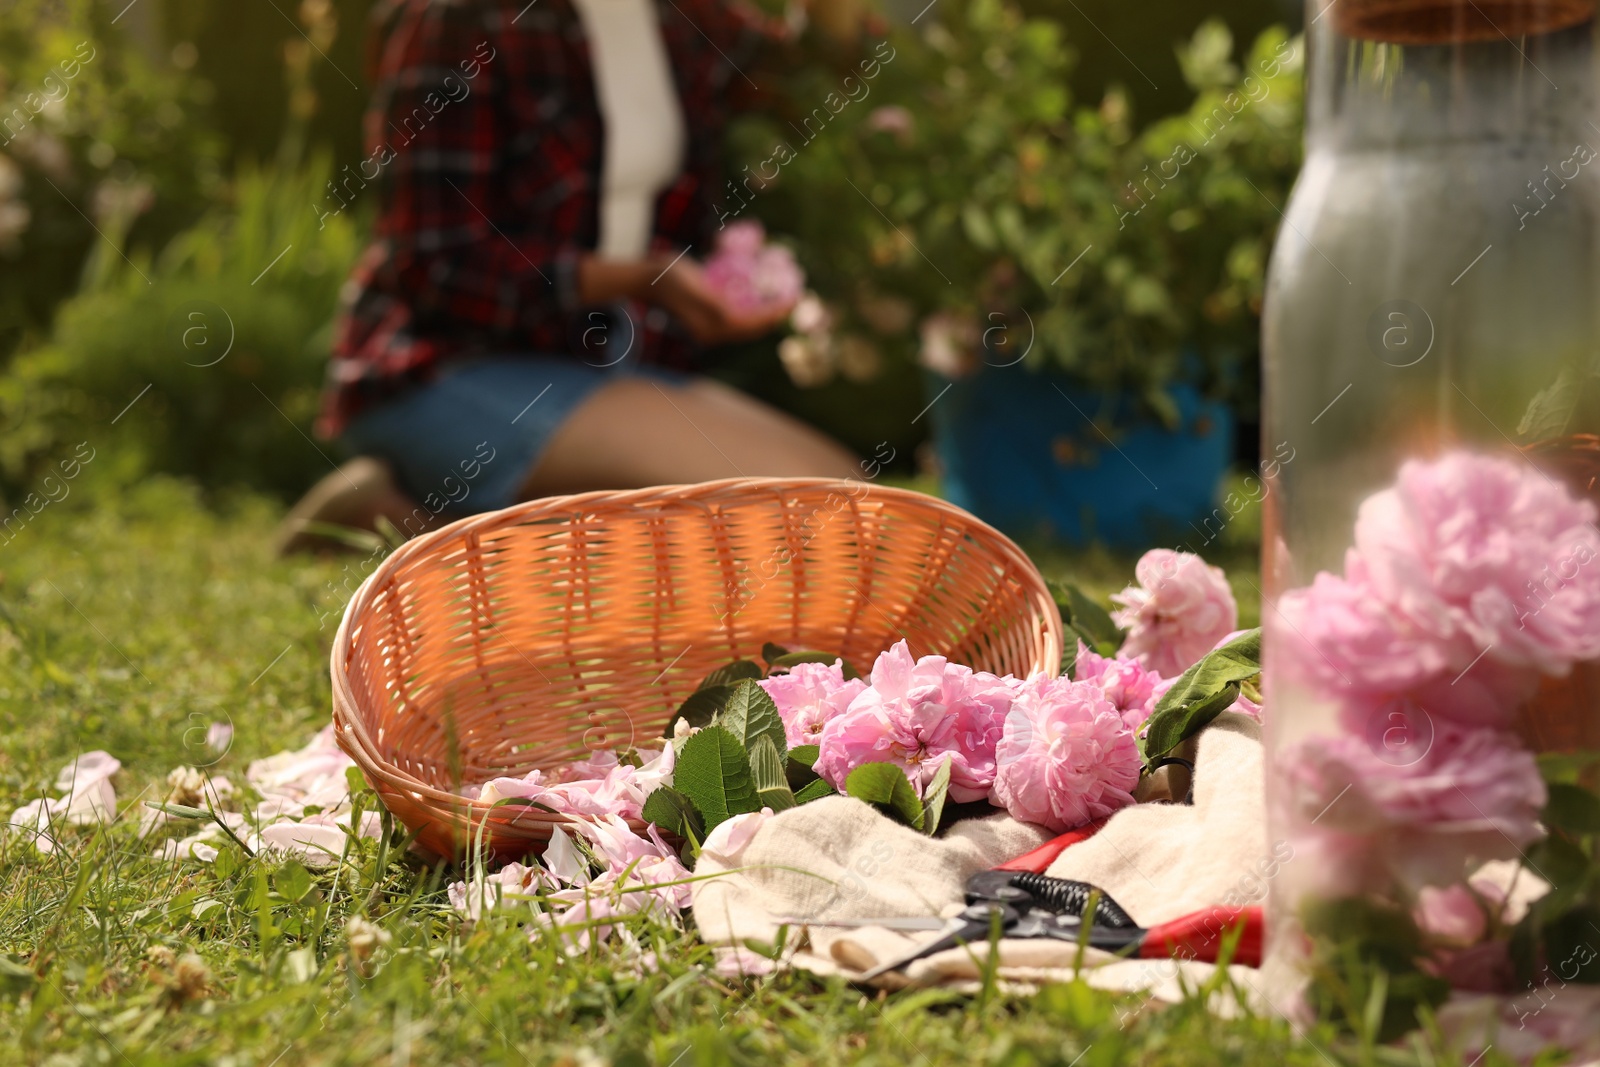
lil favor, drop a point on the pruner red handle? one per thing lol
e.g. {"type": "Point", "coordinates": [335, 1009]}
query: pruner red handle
{"type": "Point", "coordinates": [1043, 856]}
{"type": "Point", "coordinates": [1198, 936]}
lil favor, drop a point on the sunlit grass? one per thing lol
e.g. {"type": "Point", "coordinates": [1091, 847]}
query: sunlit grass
{"type": "Point", "coordinates": [133, 620]}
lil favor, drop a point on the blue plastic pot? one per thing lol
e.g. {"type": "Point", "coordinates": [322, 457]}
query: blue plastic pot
{"type": "Point", "coordinates": [1019, 450]}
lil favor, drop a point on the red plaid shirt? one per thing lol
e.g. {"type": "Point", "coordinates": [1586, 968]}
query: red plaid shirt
{"type": "Point", "coordinates": [485, 134]}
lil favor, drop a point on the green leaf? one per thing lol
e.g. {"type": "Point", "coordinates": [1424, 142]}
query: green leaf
{"type": "Point", "coordinates": [1572, 808]}
{"type": "Point", "coordinates": [933, 798]}
{"type": "Point", "coordinates": [675, 813]}
{"type": "Point", "coordinates": [1181, 723]}
{"type": "Point", "coordinates": [229, 860]}
{"type": "Point", "coordinates": [1165, 408]}
{"type": "Point", "coordinates": [814, 791]}
{"type": "Point", "coordinates": [701, 707]}
{"type": "Point", "coordinates": [977, 226]}
{"type": "Point", "coordinates": [1568, 941]}
{"type": "Point", "coordinates": [1565, 866]}
{"type": "Point", "coordinates": [179, 811]}
{"type": "Point", "coordinates": [1556, 407]}
{"type": "Point", "coordinates": [1374, 930]}
{"type": "Point", "coordinates": [714, 773]}
{"type": "Point", "coordinates": [1087, 619]}
{"type": "Point", "coordinates": [16, 977]}
{"type": "Point", "coordinates": [1569, 767]}
{"type": "Point", "coordinates": [749, 714]}
{"type": "Point", "coordinates": [1201, 693]}
{"type": "Point", "coordinates": [739, 670]}
{"type": "Point", "coordinates": [766, 771]}
{"type": "Point", "coordinates": [292, 880]}
{"type": "Point", "coordinates": [800, 768]}
{"type": "Point", "coordinates": [771, 652]}
{"type": "Point", "coordinates": [886, 786]}
{"type": "Point", "coordinates": [790, 659]}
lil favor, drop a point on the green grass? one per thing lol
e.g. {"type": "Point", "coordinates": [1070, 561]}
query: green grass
{"type": "Point", "coordinates": [134, 619]}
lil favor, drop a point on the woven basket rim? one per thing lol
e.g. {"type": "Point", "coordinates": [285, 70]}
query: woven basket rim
{"type": "Point", "coordinates": [351, 733]}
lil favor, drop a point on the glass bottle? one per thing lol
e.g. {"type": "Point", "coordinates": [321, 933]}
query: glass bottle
{"type": "Point", "coordinates": [1430, 345]}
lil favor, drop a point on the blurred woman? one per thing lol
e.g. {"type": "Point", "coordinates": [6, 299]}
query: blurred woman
{"type": "Point", "coordinates": [527, 318]}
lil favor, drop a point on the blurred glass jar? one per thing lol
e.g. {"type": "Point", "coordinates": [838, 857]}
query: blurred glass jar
{"type": "Point", "coordinates": [1430, 343]}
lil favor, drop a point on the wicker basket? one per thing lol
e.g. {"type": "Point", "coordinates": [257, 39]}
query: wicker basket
{"type": "Point", "coordinates": [529, 636]}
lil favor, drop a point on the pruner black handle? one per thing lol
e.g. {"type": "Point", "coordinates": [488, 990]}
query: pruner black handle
{"type": "Point", "coordinates": [1066, 897]}
{"type": "Point", "coordinates": [1059, 895]}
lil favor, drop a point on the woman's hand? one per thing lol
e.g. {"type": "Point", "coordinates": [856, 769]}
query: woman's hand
{"type": "Point", "coordinates": [682, 290]}
{"type": "Point", "coordinates": [678, 285]}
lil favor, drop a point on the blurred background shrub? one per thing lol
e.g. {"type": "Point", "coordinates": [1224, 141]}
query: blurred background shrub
{"type": "Point", "coordinates": [221, 339]}
{"type": "Point", "coordinates": [181, 175]}
{"type": "Point", "coordinates": [968, 188]}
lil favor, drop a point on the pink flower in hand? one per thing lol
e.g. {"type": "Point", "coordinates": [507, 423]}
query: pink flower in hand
{"type": "Point", "coordinates": [743, 238]}
{"type": "Point", "coordinates": [917, 714]}
{"type": "Point", "coordinates": [809, 696]}
{"type": "Point", "coordinates": [1066, 757]}
{"type": "Point", "coordinates": [1177, 613]}
{"type": "Point", "coordinates": [750, 274]}
{"type": "Point", "coordinates": [1132, 689]}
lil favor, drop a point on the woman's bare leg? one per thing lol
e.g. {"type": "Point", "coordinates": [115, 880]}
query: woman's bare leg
{"type": "Point", "coordinates": [635, 432]}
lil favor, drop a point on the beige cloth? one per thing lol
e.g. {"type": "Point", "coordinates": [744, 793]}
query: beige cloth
{"type": "Point", "coordinates": [839, 859]}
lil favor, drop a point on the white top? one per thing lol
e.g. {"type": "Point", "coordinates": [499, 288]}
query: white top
{"type": "Point", "coordinates": [644, 127]}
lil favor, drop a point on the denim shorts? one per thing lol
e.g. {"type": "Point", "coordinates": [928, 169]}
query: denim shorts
{"type": "Point", "coordinates": [466, 441]}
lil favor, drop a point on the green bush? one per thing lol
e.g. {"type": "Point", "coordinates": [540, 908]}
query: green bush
{"type": "Point", "coordinates": [92, 138]}
{"type": "Point", "coordinates": [229, 334]}
{"type": "Point", "coordinates": [959, 178]}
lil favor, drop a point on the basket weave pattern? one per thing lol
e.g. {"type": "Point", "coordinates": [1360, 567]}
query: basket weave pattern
{"type": "Point", "coordinates": [531, 636]}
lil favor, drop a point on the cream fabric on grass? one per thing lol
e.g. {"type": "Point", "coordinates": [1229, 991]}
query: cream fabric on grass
{"type": "Point", "coordinates": [839, 859]}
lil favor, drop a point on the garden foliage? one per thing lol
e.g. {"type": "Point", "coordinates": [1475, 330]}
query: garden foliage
{"type": "Point", "coordinates": [961, 180]}
{"type": "Point", "coordinates": [958, 183]}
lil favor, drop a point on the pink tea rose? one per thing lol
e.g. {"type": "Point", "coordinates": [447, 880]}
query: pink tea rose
{"type": "Point", "coordinates": [1482, 968]}
{"type": "Point", "coordinates": [1487, 555]}
{"type": "Point", "coordinates": [1339, 638]}
{"type": "Point", "coordinates": [743, 238]}
{"type": "Point", "coordinates": [1486, 693]}
{"type": "Point", "coordinates": [1066, 757]}
{"type": "Point", "coordinates": [1451, 915]}
{"type": "Point", "coordinates": [751, 274]}
{"type": "Point", "coordinates": [1177, 613]}
{"type": "Point", "coordinates": [1132, 689]}
{"type": "Point", "coordinates": [1472, 793]}
{"type": "Point", "coordinates": [916, 714]}
{"type": "Point", "coordinates": [891, 118]}
{"type": "Point", "coordinates": [1524, 1028]}
{"type": "Point", "coordinates": [809, 696]}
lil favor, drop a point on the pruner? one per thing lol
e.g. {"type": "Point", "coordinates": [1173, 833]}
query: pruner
{"type": "Point", "coordinates": [1025, 903]}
